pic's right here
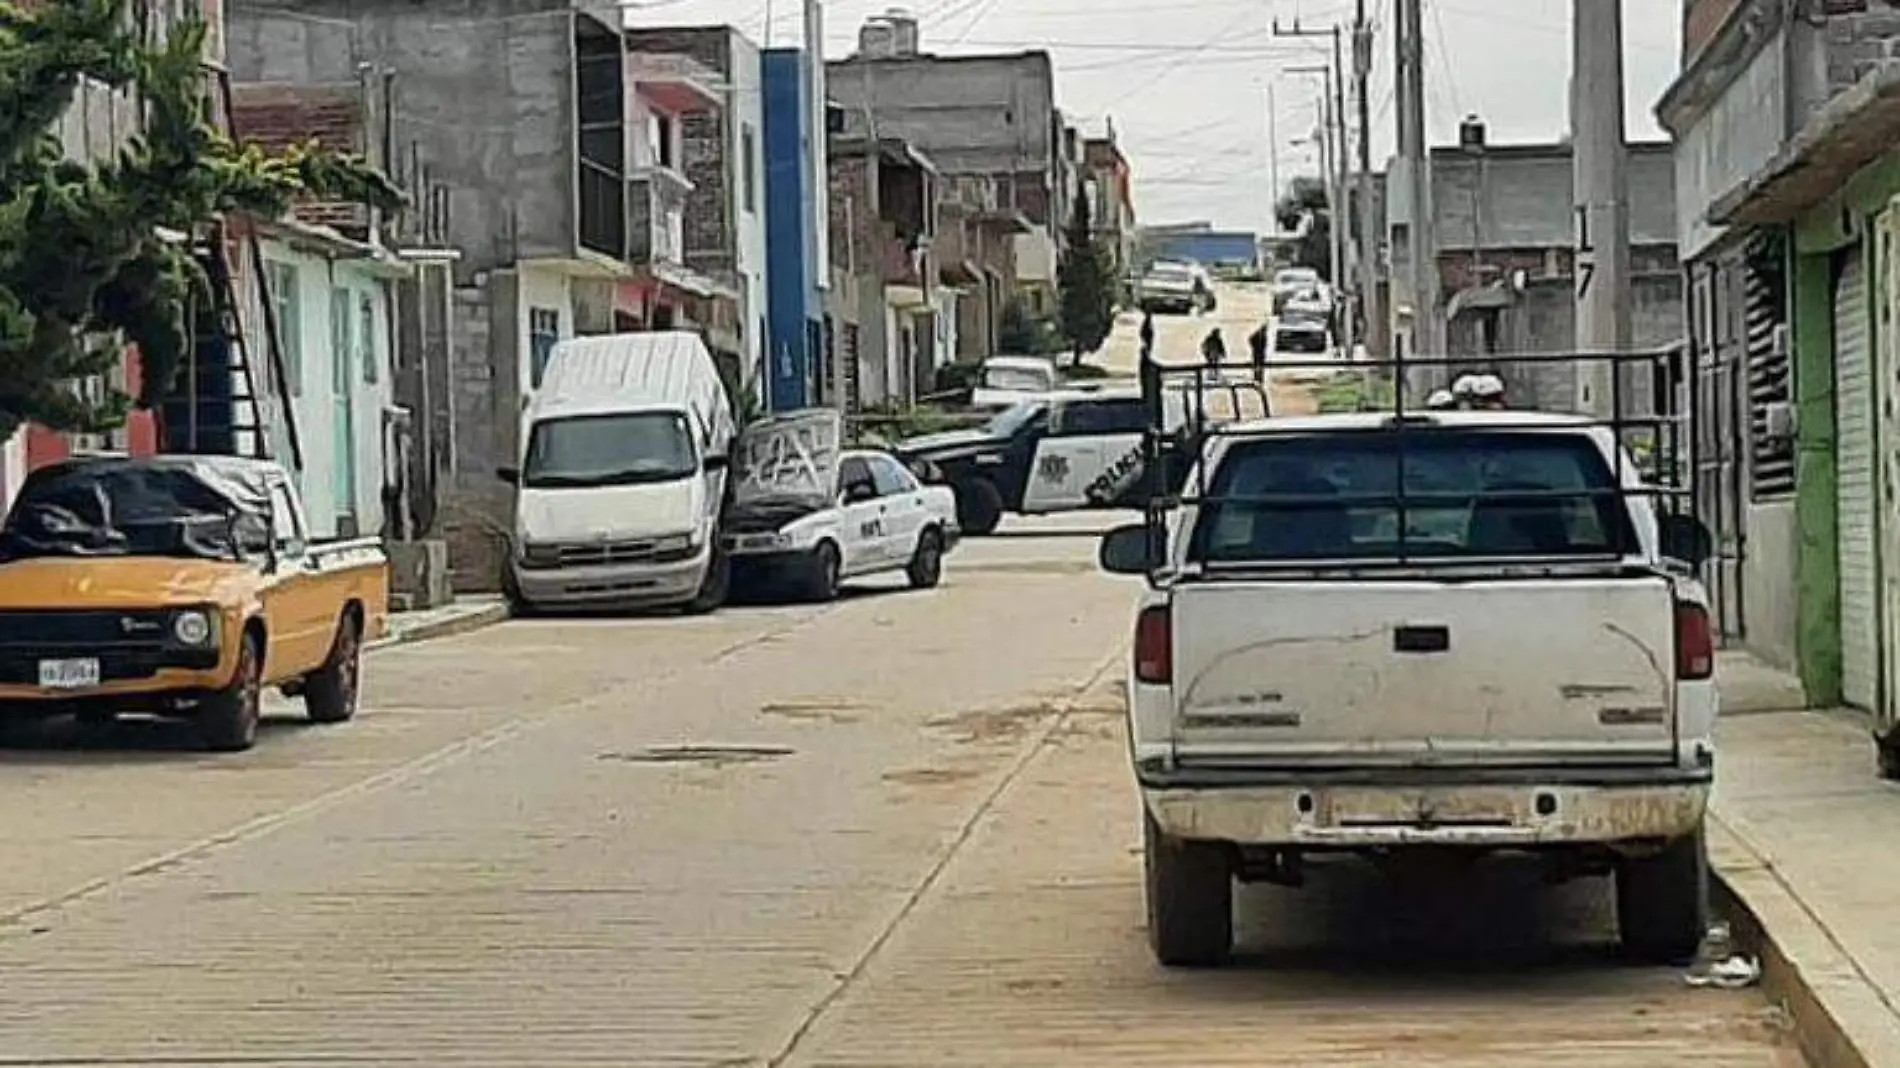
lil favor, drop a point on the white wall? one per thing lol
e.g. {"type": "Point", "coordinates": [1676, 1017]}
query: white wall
{"type": "Point", "coordinates": [746, 111]}
{"type": "Point", "coordinates": [1036, 257]}
{"type": "Point", "coordinates": [548, 290]}
{"type": "Point", "coordinates": [12, 467]}
{"type": "Point", "coordinates": [319, 416]}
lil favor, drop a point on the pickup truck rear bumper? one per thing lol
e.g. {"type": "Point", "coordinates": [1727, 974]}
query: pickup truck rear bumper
{"type": "Point", "coordinates": [1487, 809]}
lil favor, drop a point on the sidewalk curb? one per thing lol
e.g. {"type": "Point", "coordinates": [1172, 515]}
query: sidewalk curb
{"type": "Point", "coordinates": [487, 615]}
{"type": "Point", "coordinates": [1839, 1019]}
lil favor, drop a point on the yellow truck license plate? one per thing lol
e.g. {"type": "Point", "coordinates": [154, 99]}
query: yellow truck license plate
{"type": "Point", "coordinates": [69, 674]}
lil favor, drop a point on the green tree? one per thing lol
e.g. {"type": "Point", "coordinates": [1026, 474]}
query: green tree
{"type": "Point", "coordinates": [1085, 283]}
{"type": "Point", "coordinates": [89, 255]}
{"type": "Point", "coordinates": [1015, 332]}
{"type": "Point", "coordinates": [1304, 208]}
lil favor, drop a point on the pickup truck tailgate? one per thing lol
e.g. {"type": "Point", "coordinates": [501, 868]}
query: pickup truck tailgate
{"type": "Point", "coordinates": [1421, 673]}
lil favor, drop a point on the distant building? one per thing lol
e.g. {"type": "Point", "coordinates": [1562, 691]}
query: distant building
{"type": "Point", "coordinates": [1112, 200]}
{"type": "Point", "coordinates": [973, 115]}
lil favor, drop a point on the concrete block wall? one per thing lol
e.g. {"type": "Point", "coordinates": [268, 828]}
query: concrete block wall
{"type": "Point", "coordinates": [483, 90]}
{"type": "Point", "coordinates": [853, 211]}
{"type": "Point", "coordinates": [477, 516]}
{"type": "Point", "coordinates": [1863, 41]}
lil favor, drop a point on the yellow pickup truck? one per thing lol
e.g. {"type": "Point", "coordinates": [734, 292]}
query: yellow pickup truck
{"type": "Point", "coordinates": [180, 586]}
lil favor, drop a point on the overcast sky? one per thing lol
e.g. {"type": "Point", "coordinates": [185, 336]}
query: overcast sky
{"type": "Point", "coordinates": [1187, 81]}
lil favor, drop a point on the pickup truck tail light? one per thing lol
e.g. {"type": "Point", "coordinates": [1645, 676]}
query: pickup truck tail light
{"type": "Point", "coordinates": [1695, 642]}
{"type": "Point", "coordinates": [1154, 646]}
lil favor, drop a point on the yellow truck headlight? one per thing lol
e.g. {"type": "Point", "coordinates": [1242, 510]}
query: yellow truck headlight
{"type": "Point", "coordinates": [192, 628]}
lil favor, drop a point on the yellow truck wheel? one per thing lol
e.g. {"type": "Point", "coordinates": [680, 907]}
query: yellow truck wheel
{"type": "Point", "coordinates": [227, 720]}
{"type": "Point", "coordinates": [330, 692]}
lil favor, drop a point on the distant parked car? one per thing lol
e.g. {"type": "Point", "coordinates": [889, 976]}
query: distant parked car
{"type": "Point", "coordinates": [1173, 286]}
{"type": "Point", "coordinates": [1301, 334]}
{"type": "Point", "coordinates": [1009, 379]}
{"type": "Point", "coordinates": [808, 513]}
{"type": "Point", "coordinates": [1298, 283]}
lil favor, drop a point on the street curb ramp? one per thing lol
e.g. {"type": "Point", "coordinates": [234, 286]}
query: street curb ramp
{"type": "Point", "coordinates": [487, 614]}
{"type": "Point", "coordinates": [1839, 1017]}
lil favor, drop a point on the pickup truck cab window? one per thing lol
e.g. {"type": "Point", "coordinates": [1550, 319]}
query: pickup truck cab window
{"type": "Point", "coordinates": [1119, 415]}
{"type": "Point", "coordinates": [287, 531]}
{"type": "Point", "coordinates": [1338, 496]}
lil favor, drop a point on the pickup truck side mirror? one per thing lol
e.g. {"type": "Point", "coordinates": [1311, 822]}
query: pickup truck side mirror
{"type": "Point", "coordinates": [1686, 538]}
{"type": "Point", "coordinates": [1124, 551]}
{"type": "Point", "coordinates": [857, 492]}
{"type": "Point", "coordinates": [510, 475]}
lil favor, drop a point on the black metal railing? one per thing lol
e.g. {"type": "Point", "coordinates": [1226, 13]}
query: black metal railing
{"type": "Point", "coordinates": [1177, 453]}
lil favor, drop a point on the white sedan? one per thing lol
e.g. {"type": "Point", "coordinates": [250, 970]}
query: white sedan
{"type": "Point", "coordinates": [807, 515]}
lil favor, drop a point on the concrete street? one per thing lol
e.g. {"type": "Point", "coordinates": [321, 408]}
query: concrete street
{"type": "Point", "coordinates": [1240, 309]}
{"type": "Point", "coordinates": [894, 831]}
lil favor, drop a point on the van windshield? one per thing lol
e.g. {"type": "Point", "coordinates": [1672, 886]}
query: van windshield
{"type": "Point", "coordinates": [609, 450]}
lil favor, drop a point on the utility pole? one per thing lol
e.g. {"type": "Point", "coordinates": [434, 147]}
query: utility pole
{"type": "Point", "coordinates": [1421, 244]}
{"type": "Point", "coordinates": [1602, 200]}
{"type": "Point", "coordinates": [1335, 168]}
{"type": "Point", "coordinates": [1273, 159]}
{"type": "Point", "coordinates": [1369, 312]}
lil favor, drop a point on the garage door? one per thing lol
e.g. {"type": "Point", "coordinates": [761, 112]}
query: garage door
{"type": "Point", "coordinates": [1854, 415]}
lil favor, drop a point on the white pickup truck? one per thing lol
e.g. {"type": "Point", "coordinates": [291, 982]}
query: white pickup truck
{"type": "Point", "coordinates": [1502, 650]}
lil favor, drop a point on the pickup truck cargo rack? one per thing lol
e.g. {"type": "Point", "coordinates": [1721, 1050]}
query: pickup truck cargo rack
{"type": "Point", "coordinates": [1661, 429]}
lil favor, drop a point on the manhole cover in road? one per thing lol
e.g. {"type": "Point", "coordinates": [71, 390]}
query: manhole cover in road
{"type": "Point", "coordinates": [709, 755]}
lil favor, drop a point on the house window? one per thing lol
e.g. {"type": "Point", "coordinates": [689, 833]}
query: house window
{"type": "Point", "coordinates": [288, 307]}
{"type": "Point", "coordinates": [748, 160]}
{"type": "Point", "coordinates": [544, 332]}
{"type": "Point", "coordinates": [664, 150]}
{"type": "Point", "coordinates": [366, 337]}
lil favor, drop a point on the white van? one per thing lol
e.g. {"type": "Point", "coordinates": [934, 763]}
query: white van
{"type": "Point", "coordinates": [621, 485]}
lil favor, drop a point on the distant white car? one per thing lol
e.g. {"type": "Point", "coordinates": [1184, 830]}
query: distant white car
{"type": "Point", "coordinates": [1010, 379]}
{"type": "Point", "coordinates": [1175, 286]}
{"type": "Point", "coordinates": [806, 514]}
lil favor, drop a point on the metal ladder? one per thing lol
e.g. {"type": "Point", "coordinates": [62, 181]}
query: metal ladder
{"type": "Point", "coordinates": [198, 416]}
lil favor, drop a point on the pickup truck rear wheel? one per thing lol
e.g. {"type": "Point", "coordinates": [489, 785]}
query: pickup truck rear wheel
{"type": "Point", "coordinates": [1662, 901]}
{"type": "Point", "coordinates": [227, 720]}
{"type": "Point", "coordinates": [979, 506]}
{"type": "Point", "coordinates": [330, 692]}
{"type": "Point", "coordinates": [1190, 890]}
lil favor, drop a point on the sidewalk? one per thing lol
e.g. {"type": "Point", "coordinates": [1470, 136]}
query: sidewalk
{"type": "Point", "coordinates": [458, 617]}
{"type": "Point", "coordinates": [1806, 846]}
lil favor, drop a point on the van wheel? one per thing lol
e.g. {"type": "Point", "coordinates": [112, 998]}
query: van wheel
{"type": "Point", "coordinates": [979, 506]}
{"type": "Point", "coordinates": [1662, 901]}
{"type": "Point", "coordinates": [330, 692]}
{"type": "Point", "coordinates": [1190, 888]}
{"type": "Point", "coordinates": [926, 564]}
{"type": "Point", "coordinates": [824, 572]}
{"type": "Point", "coordinates": [715, 587]}
{"type": "Point", "coordinates": [227, 720]}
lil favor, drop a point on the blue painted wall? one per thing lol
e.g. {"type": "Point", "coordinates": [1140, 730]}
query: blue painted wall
{"type": "Point", "coordinates": [794, 309]}
{"type": "Point", "coordinates": [1211, 247]}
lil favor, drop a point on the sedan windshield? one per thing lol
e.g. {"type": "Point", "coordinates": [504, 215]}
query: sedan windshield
{"type": "Point", "coordinates": [609, 450]}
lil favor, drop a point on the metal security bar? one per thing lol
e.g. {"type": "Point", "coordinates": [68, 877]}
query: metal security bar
{"type": "Point", "coordinates": [1660, 432]}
